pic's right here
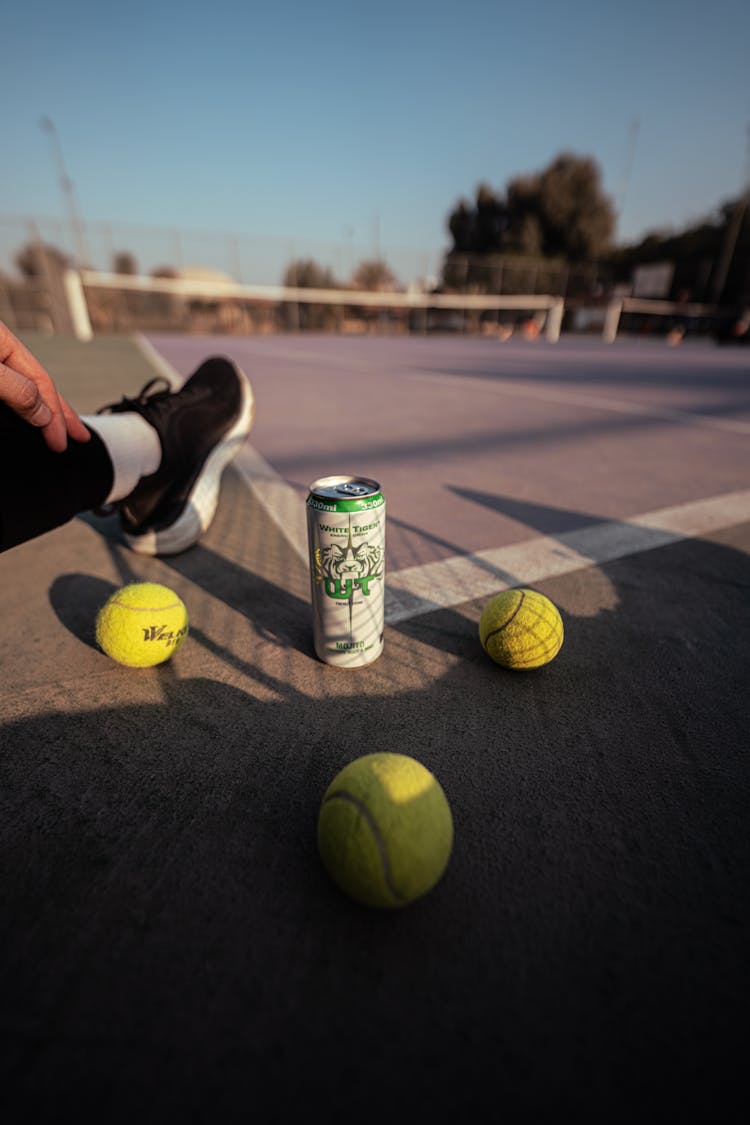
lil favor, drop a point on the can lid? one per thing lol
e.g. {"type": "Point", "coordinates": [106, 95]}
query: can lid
{"type": "Point", "coordinates": [344, 488]}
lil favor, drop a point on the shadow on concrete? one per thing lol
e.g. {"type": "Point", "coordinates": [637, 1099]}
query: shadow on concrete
{"type": "Point", "coordinates": [497, 439]}
{"type": "Point", "coordinates": [76, 599]}
{"type": "Point", "coordinates": [543, 518]}
{"type": "Point", "coordinates": [593, 364]}
{"type": "Point", "coordinates": [278, 614]}
{"type": "Point", "coordinates": [172, 949]}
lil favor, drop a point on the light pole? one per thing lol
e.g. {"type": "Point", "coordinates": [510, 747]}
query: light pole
{"type": "Point", "coordinates": [635, 125]}
{"type": "Point", "coordinates": [66, 186]}
{"type": "Point", "coordinates": [348, 253]}
{"type": "Point", "coordinates": [377, 237]}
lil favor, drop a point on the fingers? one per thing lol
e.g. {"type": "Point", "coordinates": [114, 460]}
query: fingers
{"type": "Point", "coordinates": [29, 391]}
{"type": "Point", "coordinates": [23, 397]}
{"type": "Point", "coordinates": [75, 427]}
{"type": "Point", "coordinates": [27, 400]}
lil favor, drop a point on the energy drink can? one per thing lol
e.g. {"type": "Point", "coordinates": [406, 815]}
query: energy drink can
{"type": "Point", "coordinates": [346, 534]}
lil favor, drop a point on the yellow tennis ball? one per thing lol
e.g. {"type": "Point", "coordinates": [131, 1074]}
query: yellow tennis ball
{"type": "Point", "coordinates": [142, 624]}
{"type": "Point", "coordinates": [521, 629]}
{"type": "Point", "coordinates": [385, 830]}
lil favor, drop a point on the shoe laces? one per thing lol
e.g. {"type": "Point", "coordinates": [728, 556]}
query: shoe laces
{"type": "Point", "coordinates": [143, 398]}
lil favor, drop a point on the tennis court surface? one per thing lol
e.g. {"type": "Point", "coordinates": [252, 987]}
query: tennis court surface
{"type": "Point", "coordinates": [172, 949]}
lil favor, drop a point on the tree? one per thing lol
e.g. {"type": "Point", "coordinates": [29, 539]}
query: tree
{"type": "Point", "coordinates": [124, 262]}
{"type": "Point", "coordinates": [30, 259]}
{"type": "Point", "coordinates": [711, 258]}
{"type": "Point", "coordinates": [560, 212]}
{"type": "Point", "coordinates": [481, 229]}
{"type": "Point", "coordinates": [575, 219]}
{"type": "Point", "coordinates": [374, 275]}
{"type": "Point", "coordinates": [305, 273]}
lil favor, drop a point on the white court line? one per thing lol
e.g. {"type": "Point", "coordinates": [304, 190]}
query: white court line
{"type": "Point", "coordinates": [282, 504]}
{"type": "Point", "coordinates": [591, 402]}
{"type": "Point", "coordinates": [162, 366]}
{"type": "Point", "coordinates": [450, 582]}
{"type": "Point", "coordinates": [453, 581]}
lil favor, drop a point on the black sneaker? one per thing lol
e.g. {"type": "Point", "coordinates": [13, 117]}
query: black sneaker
{"type": "Point", "coordinates": [201, 427]}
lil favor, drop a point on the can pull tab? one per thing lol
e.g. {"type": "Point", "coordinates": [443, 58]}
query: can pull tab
{"type": "Point", "coordinates": [352, 489]}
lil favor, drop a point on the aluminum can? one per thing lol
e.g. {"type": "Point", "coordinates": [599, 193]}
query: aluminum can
{"type": "Point", "coordinates": [346, 535]}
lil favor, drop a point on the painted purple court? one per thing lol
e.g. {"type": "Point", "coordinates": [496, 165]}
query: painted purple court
{"type": "Point", "coordinates": [480, 444]}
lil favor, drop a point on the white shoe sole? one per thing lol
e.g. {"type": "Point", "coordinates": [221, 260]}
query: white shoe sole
{"type": "Point", "coordinates": [203, 500]}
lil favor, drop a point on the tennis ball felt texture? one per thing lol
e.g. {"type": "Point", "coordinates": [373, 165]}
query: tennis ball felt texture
{"type": "Point", "coordinates": [521, 629]}
{"type": "Point", "coordinates": [385, 830]}
{"type": "Point", "coordinates": [142, 624]}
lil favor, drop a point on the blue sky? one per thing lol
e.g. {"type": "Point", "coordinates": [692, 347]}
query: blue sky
{"type": "Point", "coordinates": [337, 125]}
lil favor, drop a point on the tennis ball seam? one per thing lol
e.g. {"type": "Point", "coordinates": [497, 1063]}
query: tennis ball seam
{"type": "Point", "coordinates": [500, 628]}
{"type": "Point", "coordinates": [362, 809]}
{"type": "Point", "coordinates": [164, 622]}
{"type": "Point", "coordinates": [144, 608]}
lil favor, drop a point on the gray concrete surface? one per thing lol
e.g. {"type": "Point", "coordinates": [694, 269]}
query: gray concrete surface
{"type": "Point", "coordinates": [171, 948]}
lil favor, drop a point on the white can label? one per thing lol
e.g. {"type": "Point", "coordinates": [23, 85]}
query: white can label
{"type": "Point", "coordinates": [347, 571]}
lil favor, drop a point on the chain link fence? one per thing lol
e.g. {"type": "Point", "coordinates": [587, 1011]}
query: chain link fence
{"type": "Point", "coordinates": [248, 259]}
{"type": "Point", "coordinates": [240, 284]}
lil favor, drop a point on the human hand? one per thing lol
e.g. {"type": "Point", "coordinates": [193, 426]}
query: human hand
{"type": "Point", "coordinates": [29, 391]}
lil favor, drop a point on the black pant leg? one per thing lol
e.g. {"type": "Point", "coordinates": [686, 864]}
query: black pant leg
{"type": "Point", "coordinates": [41, 490]}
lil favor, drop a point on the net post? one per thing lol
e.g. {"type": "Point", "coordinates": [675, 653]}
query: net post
{"type": "Point", "coordinates": [77, 308]}
{"type": "Point", "coordinates": [611, 321]}
{"type": "Point", "coordinates": [554, 320]}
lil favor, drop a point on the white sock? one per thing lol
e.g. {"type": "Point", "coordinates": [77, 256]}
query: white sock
{"type": "Point", "coordinates": [133, 446]}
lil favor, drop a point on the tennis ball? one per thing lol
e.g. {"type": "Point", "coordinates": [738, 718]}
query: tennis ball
{"type": "Point", "coordinates": [142, 624]}
{"type": "Point", "coordinates": [521, 629]}
{"type": "Point", "coordinates": [385, 830]}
